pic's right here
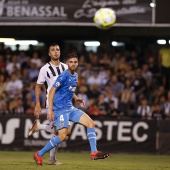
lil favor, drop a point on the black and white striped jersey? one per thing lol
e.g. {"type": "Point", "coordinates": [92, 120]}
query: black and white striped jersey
{"type": "Point", "coordinates": [48, 74]}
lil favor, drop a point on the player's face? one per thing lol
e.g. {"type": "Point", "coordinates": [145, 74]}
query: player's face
{"type": "Point", "coordinates": [72, 63]}
{"type": "Point", "coordinates": [54, 52]}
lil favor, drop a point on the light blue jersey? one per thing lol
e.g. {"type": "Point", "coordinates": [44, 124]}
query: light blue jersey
{"type": "Point", "coordinates": [62, 104]}
{"type": "Point", "coordinates": [66, 86]}
{"type": "Point", "coordinates": [65, 112]}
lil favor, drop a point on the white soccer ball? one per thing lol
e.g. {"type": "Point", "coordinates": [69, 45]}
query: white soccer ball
{"type": "Point", "coordinates": [104, 18]}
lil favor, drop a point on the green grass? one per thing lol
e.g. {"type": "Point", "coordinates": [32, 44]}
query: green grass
{"type": "Point", "coordinates": [15, 160]}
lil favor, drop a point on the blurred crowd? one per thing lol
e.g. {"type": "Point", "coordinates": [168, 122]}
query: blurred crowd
{"type": "Point", "coordinates": [117, 83]}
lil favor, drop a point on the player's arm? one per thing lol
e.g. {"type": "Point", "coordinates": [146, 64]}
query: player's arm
{"type": "Point", "coordinates": [79, 100]}
{"type": "Point", "coordinates": [50, 114]}
{"type": "Point", "coordinates": [37, 110]}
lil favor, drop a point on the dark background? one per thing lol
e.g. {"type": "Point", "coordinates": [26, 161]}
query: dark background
{"type": "Point", "coordinates": [61, 33]}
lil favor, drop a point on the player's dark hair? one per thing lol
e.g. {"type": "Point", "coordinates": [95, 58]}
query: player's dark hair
{"type": "Point", "coordinates": [72, 55]}
{"type": "Point", "coordinates": [51, 45]}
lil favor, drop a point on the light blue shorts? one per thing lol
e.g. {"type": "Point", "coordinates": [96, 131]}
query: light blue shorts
{"type": "Point", "coordinates": [64, 115]}
{"type": "Point", "coordinates": [53, 124]}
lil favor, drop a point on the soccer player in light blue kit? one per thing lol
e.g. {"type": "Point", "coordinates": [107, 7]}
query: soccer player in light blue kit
{"type": "Point", "coordinates": [62, 111]}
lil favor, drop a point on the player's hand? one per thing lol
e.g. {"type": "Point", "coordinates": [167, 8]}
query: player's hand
{"type": "Point", "coordinates": [81, 102]}
{"type": "Point", "coordinates": [37, 111]}
{"type": "Point", "coordinates": [50, 115]}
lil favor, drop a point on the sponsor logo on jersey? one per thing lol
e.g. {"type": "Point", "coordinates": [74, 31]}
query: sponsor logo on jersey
{"type": "Point", "coordinates": [73, 89]}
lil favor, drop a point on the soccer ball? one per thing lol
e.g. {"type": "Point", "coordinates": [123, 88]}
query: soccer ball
{"type": "Point", "coordinates": [104, 18]}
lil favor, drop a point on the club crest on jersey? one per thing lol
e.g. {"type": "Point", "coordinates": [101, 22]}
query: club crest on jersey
{"type": "Point", "coordinates": [58, 84]}
{"type": "Point", "coordinates": [62, 124]}
{"type": "Point", "coordinates": [73, 89]}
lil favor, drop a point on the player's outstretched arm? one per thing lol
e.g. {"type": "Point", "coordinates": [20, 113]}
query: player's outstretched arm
{"type": "Point", "coordinates": [37, 110]}
{"type": "Point", "coordinates": [50, 114]}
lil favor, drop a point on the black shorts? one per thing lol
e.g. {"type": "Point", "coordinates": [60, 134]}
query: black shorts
{"type": "Point", "coordinates": [165, 71]}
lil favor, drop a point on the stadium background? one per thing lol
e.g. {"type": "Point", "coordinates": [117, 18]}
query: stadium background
{"type": "Point", "coordinates": [120, 129]}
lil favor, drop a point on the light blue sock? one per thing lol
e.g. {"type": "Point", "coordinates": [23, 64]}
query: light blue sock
{"type": "Point", "coordinates": [91, 135]}
{"type": "Point", "coordinates": [51, 144]}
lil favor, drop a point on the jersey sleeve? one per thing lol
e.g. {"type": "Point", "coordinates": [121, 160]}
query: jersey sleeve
{"type": "Point", "coordinates": [41, 76]}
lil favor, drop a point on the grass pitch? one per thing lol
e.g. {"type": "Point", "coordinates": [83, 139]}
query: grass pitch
{"type": "Point", "coordinates": [15, 160]}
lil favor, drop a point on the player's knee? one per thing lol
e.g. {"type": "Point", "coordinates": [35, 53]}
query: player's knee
{"type": "Point", "coordinates": [69, 131]}
{"type": "Point", "coordinates": [62, 136]}
{"type": "Point", "coordinates": [91, 124]}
